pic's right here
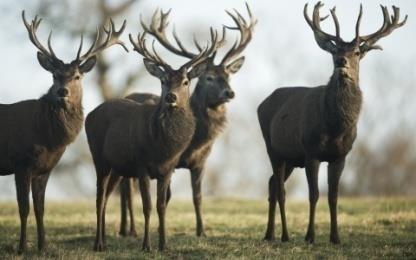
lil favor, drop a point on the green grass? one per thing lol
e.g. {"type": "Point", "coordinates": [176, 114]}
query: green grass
{"type": "Point", "coordinates": [369, 228]}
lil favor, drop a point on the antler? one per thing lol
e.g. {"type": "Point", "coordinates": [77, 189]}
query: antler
{"type": "Point", "coordinates": [32, 29]}
{"type": "Point", "coordinates": [111, 39]}
{"type": "Point", "coordinates": [325, 40]}
{"type": "Point", "coordinates": [140, 47]}
{"type": "Point", "coordinates": [390, 23]}
{"type": "Point", "coordinates": [157, 29]}
{"type": "Point", "coordinates": [246, 31]}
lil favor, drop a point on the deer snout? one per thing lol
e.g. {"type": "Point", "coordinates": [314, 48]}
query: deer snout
{"type": "Point", "coordinates": [63, 92]}
{"type": "Point", "coordinates": [171, 98]}
{"type": "Point", "coordinates": [341, 62]}
{"type": "Point", "coordinates": [229, 93]}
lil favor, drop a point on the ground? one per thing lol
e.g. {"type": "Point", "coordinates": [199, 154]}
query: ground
{"type": "Point", "coordinates": [369, 228]}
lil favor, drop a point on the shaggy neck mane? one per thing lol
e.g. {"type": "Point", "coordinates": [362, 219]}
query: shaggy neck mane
{"type": "Point", "coordinates": [59, 125]}
{"type": "Point", "coordinates": [210, 121]}
{"type": "Point", "coordinates": [172, 129]}
{"type": "Point", "coordinates": [342, 103]}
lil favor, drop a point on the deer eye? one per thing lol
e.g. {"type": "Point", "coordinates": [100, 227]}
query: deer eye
{"type": "Point", "coordinates": [357, 53]}
{"type": "Point", "coordinates": [210, 78]}
{"type": "Point", "coordinates": [77, 77]}
{"type": "Point", "coordinates": [186, 82]}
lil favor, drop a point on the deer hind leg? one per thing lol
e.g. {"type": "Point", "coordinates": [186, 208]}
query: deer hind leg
{"type": "Point", "coordinates": [131, 183]}
{"type": "Point", "coordinates": [312, 169]}
{"type": "Point", "coordinates": [196, 179]}
{"type": "Point", "coordinates": [38, 195]}
{"type": "Point", "coordinates": [22, 179]}
{"type": "Point", "coordinates": [123, 206]}
{"type": "Point", "coordinates": [113, 181]}
{"type": "Point", "coordinates": [144, 185]}
{"type": "Point", "coordinates": [103, 175]}
{"type": "Point", "coordinates": [277, 194]}
{"type": "Point", "coordinates": [334, 173]}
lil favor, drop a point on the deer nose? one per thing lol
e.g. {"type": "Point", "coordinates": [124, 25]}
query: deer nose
{"type": "Point", "coordinates": [171, 98]}
{"type": "Point", "coordinates": [229, 93]}
{"type": "Point", "coordinates": [63, 92]}
{"type": "Point", "coordinates": [341, 62]}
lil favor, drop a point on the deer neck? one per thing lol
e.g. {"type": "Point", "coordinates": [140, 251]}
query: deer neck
{"type": "Point", "coordinates": [209, 120]}
{"type": "Point", "coordinates": [342, 103]}
{"type": "Point", "coordinates": [172, 129]}
{"type": "Point", "coordinates": [59, 124]}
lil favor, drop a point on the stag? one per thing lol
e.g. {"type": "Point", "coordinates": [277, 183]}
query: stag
{"type": "Point", "coordinates": [144, 140]}
{"type": "Point", "coordinates": [208, 101]}
{"type": "Point", "coordinates": [303, 127]}
{"type": "Point", "coordinates": [35, 133]}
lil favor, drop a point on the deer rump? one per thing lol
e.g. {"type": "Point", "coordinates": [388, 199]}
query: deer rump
{"type": "Point", "coordinates": [293, 123]}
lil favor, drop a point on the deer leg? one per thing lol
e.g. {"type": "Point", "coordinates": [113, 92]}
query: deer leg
{"type": "Point", "coordinates": [22, 179]}
{"type": "Point", "coordinates": [312, 169]}
{"type": "Point", "coordinates": [38, 195]}
{"type": "Point", "coordinates": [196, 179]}
{"type": "Point", "coordinates": [162, 187]}
{"type": "Point", "coordinates": [274, 196]}
{"type": "Point", "coordinates": [113, 181]}
{"type": "Point", "coordinates": [168, 195]}
{"type": "Point", "coordinates": [144, 185]}
{"type": "Point", "coordinates": [123, 207]}
{"type": "Point", "coordinates": [130, 183]}
{"type": "Point", "coordinates": [288, 171]}
{"type": "Point", "coordinates": [102, 182]}
{"type": "Point", "coordinates": [334, 174]}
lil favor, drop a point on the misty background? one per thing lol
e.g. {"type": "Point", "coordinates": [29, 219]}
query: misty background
{"type": "Point", "coordinates": [283, 52]}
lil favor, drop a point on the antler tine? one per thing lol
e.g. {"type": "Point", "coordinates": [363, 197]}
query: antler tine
{"type": "Point", "coordinates": [246, 31]}
{"type": "Point", "coordinates": [31, 29]}
{"type": "Point", "coordinates": [357, 25]}
{"type": "Point", "coordinates": [80, 47]}
{"type": "Point", "coordinates": [112, 38]}
{"type": "Point", "coordinates": [50, 46]}
{"type": "Point", "coordinates": [390, 23]}
{"type": "Point", "coordinates": [335, 18]}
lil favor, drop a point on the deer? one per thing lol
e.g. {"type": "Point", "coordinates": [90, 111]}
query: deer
{"type": "Point", "coordinates": [144, 140]}
{"type": "Point", "coordinates": [303, 127]}
{"type": "Point", "coordinates": [208, 104]}
{"type": "Point", "coordinates": [35, 133]}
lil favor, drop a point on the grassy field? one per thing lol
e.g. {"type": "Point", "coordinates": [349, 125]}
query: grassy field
{"type": "Point", "coordinates": [369, 228]}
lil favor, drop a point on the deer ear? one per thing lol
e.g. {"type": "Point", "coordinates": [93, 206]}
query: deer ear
{"type": "Point", "coordinates": [197, 70]}
{"type": "Point", "coordinates": [153, 68]}
{"type": "Point", "coordinates": [45, 62]}
{"type": "Point", "coordinates": [235, 66]}
{"type": "Point", "coordinates": [88, 65]}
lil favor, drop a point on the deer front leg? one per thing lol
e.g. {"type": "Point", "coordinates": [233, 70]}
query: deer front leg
{"type": "Point", "coordinates": [38, 194]}
{"type": "Point", "coordinates": [312, 169]}
{"type": "Point", "coordinates": [334, 173]}
{"type": "Point", "coordinates": [22, 179]}
{"type": "Point", "coordinates": [162, 187]}
{"type": "Point", "coordinates": [196, 179]}
{"type": "Point", "coordinates": [144, 184]}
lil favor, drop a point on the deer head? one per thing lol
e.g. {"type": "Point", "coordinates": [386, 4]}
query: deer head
{"type": "Point", "coordinates": [214, 81]}
{"type": "Point", "coordinates": [67, 87]}
{"type": "Point", "coordinates": [347, 55]}
{"type": "Point", "coordinates": [175, 83]}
